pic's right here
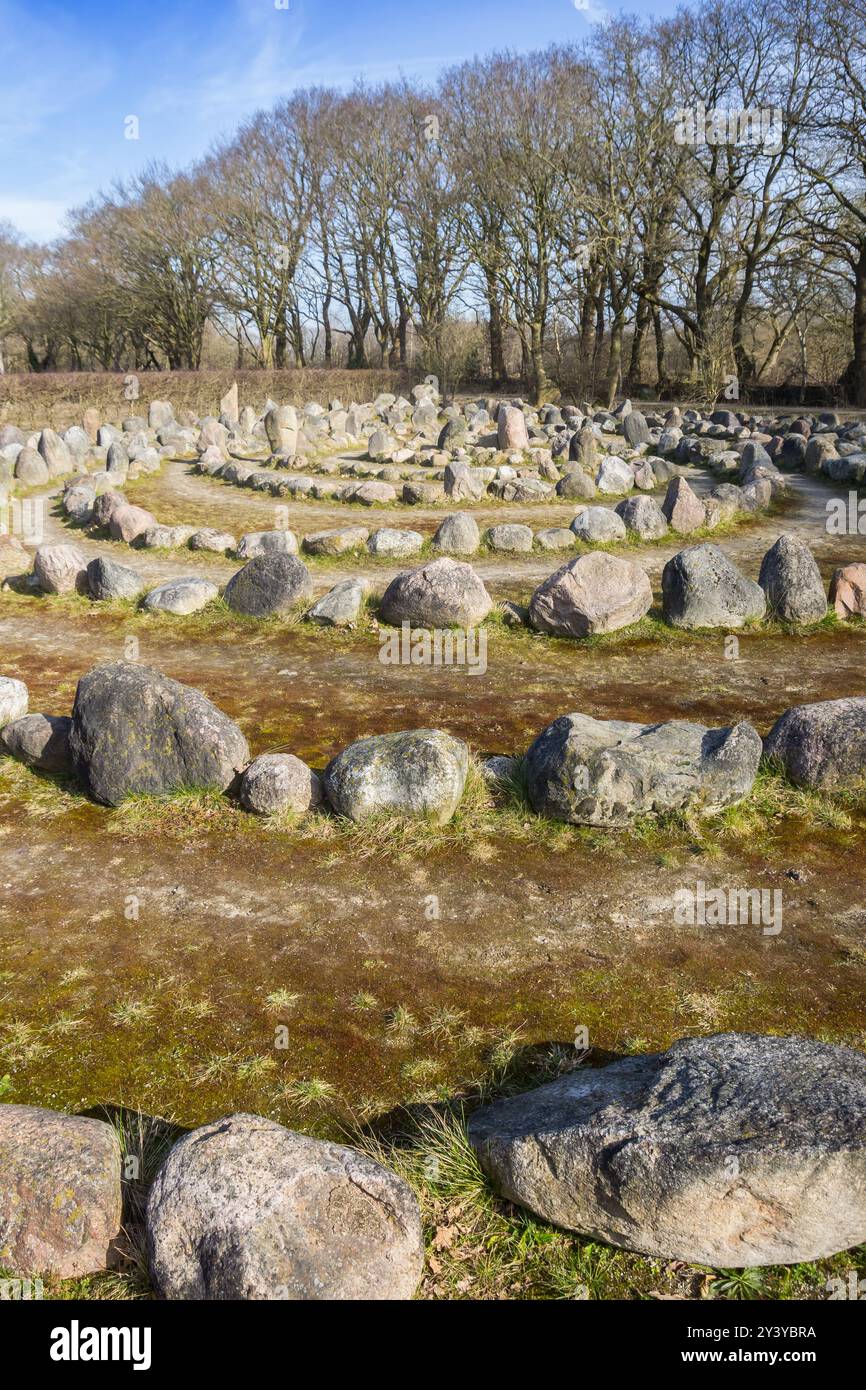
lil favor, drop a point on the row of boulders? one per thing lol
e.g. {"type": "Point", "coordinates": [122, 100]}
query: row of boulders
{"type": "Point", "coordinates": [595, 593]}
{"type": "Point", "coordinates": [734, 1150]}
{"type": "Point", "coordinates": [134, 730]}
{"type": "Point", "coordinates": [241, 1208]}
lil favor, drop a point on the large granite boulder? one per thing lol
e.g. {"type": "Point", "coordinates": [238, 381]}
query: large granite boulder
{"type": "Point", "coordinates": [597, 525]}
{"type": "Point", "coordinates": [135, 730]}
{"type": "Point", "coordinates": [733, 1150]}
{"type": "Point", "coordinates": [701, 588]}
{"type": "Point", "coordinates": [107, 579]}
{"type": "Point", "coordinates": [643, 516]}
{"type": "Point", "coordinates": [457, 534]}
{"type": "Point", "coordinates": [442, 593]}
{"type": "Point", "coordinates": [39, 740]}
{"type": "Point", "coordinates": [607, 771]}
{"type": "Point", "coordinates": [420, 773]}
{"type": "Point", "coordinates": [594, 593]}
{"type": "Point", "coordinates": [245, 1209]}
{"type": "Point", "coordinates": [60, 1195]}
{"type": "Point", "coordinates": [269, 584]}
{"type": "Point", "coordinates": [821, 744]}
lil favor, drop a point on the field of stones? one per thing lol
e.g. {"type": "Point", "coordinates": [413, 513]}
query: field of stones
{"type": "Point", "coordinates": [430, 838]}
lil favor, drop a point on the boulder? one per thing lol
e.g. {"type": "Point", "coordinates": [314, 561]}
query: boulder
{"type": "Point", "coordinates": [106, 579]}
{"type": "Point", "coordinates": [245, 1209]}
{"type": "Point", "coordinates": [607, 771]}
{"type": "Point", "coordinates": [60, 569]}
{"type": "Point", "coordinates": [281, 428]}
{"type": "Point", "coordinates": [160, 415]}
{"type": "Point", "coordinates": [683, 509]}
{"type": "Point", "coordinates": [461, 483]}
{"type": "Point", "coordinates": [848, 591]}
{"type": "Point", "coordinates": [14, 699]}
{"type": "Point", "coordinates": [105, 505]}
{"type": "Point", "coordinates": [79, 503]}
{"type": "Point", "coordinates": [267, 543]}
{"type": "Point", "coordinates": [340, 606]}
{"type": "Point", "coordinates": [388, 540]}
{"type": "Point", "coordinates": [39, 740]}
{"type": "Point", "coordinates": [555, 538]}
{"type": "Point", "coordinates": [594, 593]}
{"type": "Point", "coordinates": [60, 1194]}
{"type": "Point", "coordinates": [276, 782]}
{"type": "Point", "coordinates": [136, 731]}
{"type": "Point", "coordinates": [126, 523]}
{"type": "Point", "coordinates": [511, 431]}
{"type": "Point", "coordinates": [701, 588]}
{"type": "Point", "coordinates": [269, 584]}
{"type": "Point", "coordinates": [792, 582]}
{"type": "Point", "coordinates": [457, 535]}
{"type": "Point", "coordinates": [182, 595]}
{"type": "Point", "coordinates": [371, 494]}
{"type": "Point", "coordinates": [56, 453]}
{"type": "Point", "coordinates": [821, 744]}
{"type": "Point", "coordinates": [166, 537]}
{"type": "Point", "coordinates": [31, 470]}
{"type": "Point", "coordinates": [635, 429]}
{"type": "Point", "coordinates": [576, 486]}
{"type": "Point", "coordinates": [418, 774]}
{"type": "Point", "coordinates": [643, 516]}
{"type": "Point", "coordinates": [209, 538]}
{"type": "Point", "coordinates": [596, 525]}
{"type": "Point", "coordinates": [615, 476]}
{"type": "Point", "coordinates": [510, 537]}
{"type": "Point", "coordinates": [733, 1150]}
{"type": "Point", "coordinates": [335, 542]}
{"type": "Point", "coordinates": [441, 593]}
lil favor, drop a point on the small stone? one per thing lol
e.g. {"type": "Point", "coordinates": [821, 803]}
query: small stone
{"type": "Point", "coordinates": [277, 782]}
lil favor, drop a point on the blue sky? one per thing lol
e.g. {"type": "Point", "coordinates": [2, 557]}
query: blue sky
{"type": "Point", "coordinates": [190, 70]}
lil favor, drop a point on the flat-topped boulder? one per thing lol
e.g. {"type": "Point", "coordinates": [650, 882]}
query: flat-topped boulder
{"type": "Point", "coordinates": [392, 541]}
{"type": "Point", "coordinates": [336, 541]}
{"type": "Point", "coordinates": [418, 774]}
{"type": "Point", "coordinates": [509, 537]}
{"type": "Point", "coordinates": [245, 1209]}
{"type": "Point", "coordinates": [135, 730]}
{"type": "Point", "coordinates": [733, 1150]}
{"type": "Point", "coordinates": [821, 744]}
{"type": "Point", "coordinates": [594, 593]}
{"type": "Point", "coordinates": [212, 539]}
{"type": "Point", "coordinates": [186, 594]}
{"type": "Point", "coordinates": [283, 542]}
{"type": "Point", "coordinates": [442, 593]}
{"type": "Point", "coordinates": [60, 1194]}
{"type": "Point", "coordinates": [269, 585]}
{"type": "Point", "coordinates": [702, 588]}
{"type": "Point", "coordinates": [607, 771]}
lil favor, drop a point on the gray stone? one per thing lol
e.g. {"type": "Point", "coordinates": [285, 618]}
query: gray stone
{"type": "Point", "coordinates": [60, 1193]}
{"type": "Point", "coordinates": [278, 782]}
{"type": "Point", "coordinates": [269, 584]}
{"type": "Point", "coordinates": [211, 539]}
{"type": "Point", "coordinates": [457, 535]}
{"type": "Point", "coordinates": [166, 537]}
{"type": "Point", "coordinates": [594, 593]}
{"type": "Point", "coordinates": [245, 1209]}
{"type": "Point", "coordinates": [792, 582]}
{"type": "Point", "coordinates": [187, 594]}
{"type": "Point", "coordinates": [643, 516]}
{"type": "Point", "coordinates": [106, 579]}
{"type": "Point", "coordinates": [462, 484]}
{"type": "Point", "coordinates": [605, 772]}
{"type": "Point", "coordinates": [441, 593]}
{"type": "Point", "coordinates": [340, 606]}
{"type": "Point", "coordinates": [821, 744]}
{"type": "Point", "coordinates": [57, 454]}
{"type": "Point", "coordinates": [510, 537]}
{"type": "Point", "coordinates": [335, 542]}
{"type": "Point", "coordinates": [597, 524]}
{"type": "Point", "coordinates": [267, 543]}
{"type": "Point", "coordinates": [701, 588]}
{"type": "Point", "coordinates": [135, 730]}
{"type": "Point", "coordinates": [615, 476]}
{"type": "Point", "coordinates": [635, 429]}
{"type": "Point", "coordinates": [39, 740]}
{"type": "Point", "coordinates": [420, 773]}
{"type": "Point", "coordinates": [733, 1150]}
{"type": "Point", "coordinates": [31, 470]}
{"type": "Point", "coordinates": [281, 428]}
{"type": "Point", "coordinates": [388, 540]}
{"type": "Point", "coordinates": [79, 503]}
{"type": "Point", "coordinates": [576, 486]}
{"type": "Point", "coordinates": [555, 538]}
